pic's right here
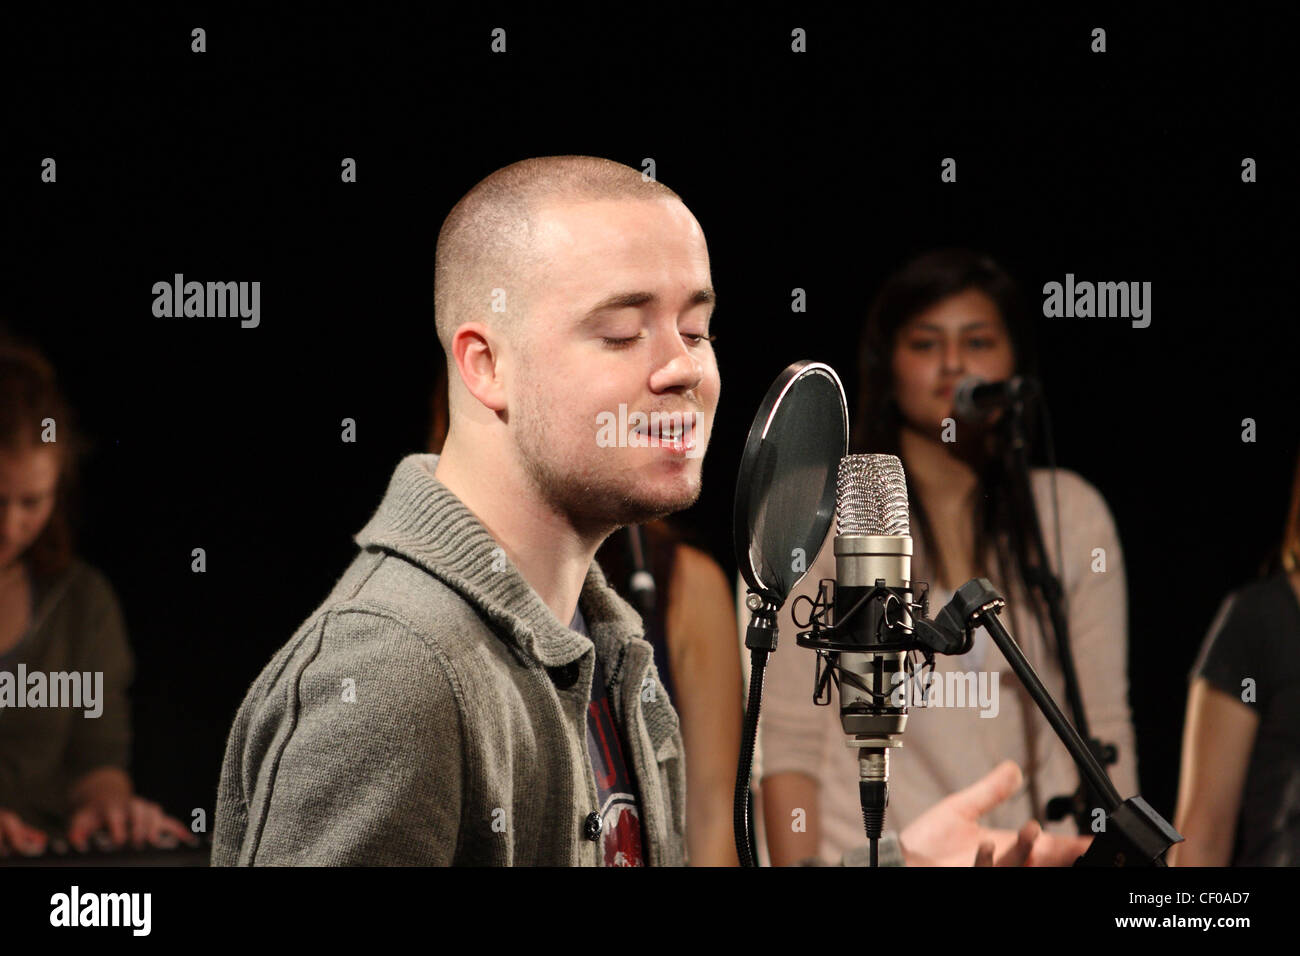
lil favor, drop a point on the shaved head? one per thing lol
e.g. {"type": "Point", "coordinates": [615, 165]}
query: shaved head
{"type": "Point", "coordinates": [569, 289]}
{"type": "Point", "coordinates": [486, 259]}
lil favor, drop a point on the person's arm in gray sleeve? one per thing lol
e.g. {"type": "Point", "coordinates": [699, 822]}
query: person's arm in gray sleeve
{"type": "Point", "coordinates": [363, 756]}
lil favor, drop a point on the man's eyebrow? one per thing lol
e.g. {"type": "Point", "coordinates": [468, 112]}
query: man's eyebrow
{"type": "Point", "coordinates": [634, 300]}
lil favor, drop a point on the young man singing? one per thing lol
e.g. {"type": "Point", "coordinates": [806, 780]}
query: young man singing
{"type": "Point", "coordinates": [472, 691]}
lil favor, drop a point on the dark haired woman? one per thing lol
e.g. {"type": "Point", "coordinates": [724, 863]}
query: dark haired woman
{"type": "Point", "coordinates": [1239, 790]}
{"type": "Point", "coordinates": [59, 766]}
{"type": "Point", "coordinates": [947, 315]}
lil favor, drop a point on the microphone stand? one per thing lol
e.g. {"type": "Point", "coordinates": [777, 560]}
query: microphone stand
{"type": "Point", "coordinates": [760, 638]}
{"type": "Point", "coordinates": [640, 579]}
{"type": "Point", "coordinates": [1133, 833]}
{"type": "Point", "coordinates": [1040, 576]}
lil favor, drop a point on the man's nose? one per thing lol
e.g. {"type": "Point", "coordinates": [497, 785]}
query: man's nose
{"type": "Point", "coordinates": [677, 369]}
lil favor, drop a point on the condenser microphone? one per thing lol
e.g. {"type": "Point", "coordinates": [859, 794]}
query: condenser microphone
{"type": "Point", "coordinates": [873, 548]}
{"type": "Point", "coordinates": [975, 400]}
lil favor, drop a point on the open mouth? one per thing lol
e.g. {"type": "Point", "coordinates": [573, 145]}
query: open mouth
{"type": "Point", "coordinates": [676, 436]}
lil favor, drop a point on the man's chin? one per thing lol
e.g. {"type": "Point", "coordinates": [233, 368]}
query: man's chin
{"type": "Point", "coordinates": [642, 506]}
{"type": "Point", "coordinates": [641, 510]}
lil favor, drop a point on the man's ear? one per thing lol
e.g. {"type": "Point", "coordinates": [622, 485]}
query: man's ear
{"type": "Point", "coordinates": [477, 351]}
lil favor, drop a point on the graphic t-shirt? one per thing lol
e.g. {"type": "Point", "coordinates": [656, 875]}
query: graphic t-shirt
{"type": "Point", "coordinates": [620, 814]}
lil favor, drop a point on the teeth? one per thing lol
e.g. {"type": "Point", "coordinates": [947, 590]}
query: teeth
{"type": "Point", "coordinates": [668, 434]}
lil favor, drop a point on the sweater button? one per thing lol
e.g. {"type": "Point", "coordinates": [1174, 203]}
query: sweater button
{"type": "Point", "coordinates": [591, 828]}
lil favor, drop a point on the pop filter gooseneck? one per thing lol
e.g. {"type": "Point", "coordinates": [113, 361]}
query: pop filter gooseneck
{"type": "Point", "coordinates": [785, 503]}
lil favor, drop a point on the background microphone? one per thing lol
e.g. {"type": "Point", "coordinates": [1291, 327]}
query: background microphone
{"type": "Point", "coordinates": [974, 399]}
{"type": "Point", "coordinates": [641, 581]}
{"type": "Point", "coordinates": [873, 543]}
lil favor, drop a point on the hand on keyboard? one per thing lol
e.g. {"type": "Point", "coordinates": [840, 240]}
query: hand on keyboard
{"type": "Point", "coordinates": [127, 820]}
{"type": "Point", "coordinates": [18, 837]}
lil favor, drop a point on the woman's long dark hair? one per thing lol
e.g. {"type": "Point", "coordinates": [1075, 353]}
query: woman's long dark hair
{"type": "Point", "coordinates": [924, 282]}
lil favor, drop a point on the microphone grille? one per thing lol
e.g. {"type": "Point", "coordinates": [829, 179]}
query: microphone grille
{"type": "Point", "coordinates": [871, 496]}
{"type": "Point", "coordinates": [963, 400]}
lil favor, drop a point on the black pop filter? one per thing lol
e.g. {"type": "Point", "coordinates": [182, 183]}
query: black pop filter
{"type": "Point", "coordinates": [785, 492]}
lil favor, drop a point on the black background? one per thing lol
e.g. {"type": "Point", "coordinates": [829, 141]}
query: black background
{"type": "Point", "coordinates": [818, 171]}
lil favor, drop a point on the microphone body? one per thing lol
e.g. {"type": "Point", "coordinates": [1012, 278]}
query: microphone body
{"type": "Point", "coordinates": [873, 548]}
{"type": "Point", "coordinates": [862, 560]}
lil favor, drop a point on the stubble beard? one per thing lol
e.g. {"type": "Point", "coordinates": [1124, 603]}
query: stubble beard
{"type": "Point", "coordinates": [592, 501]}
